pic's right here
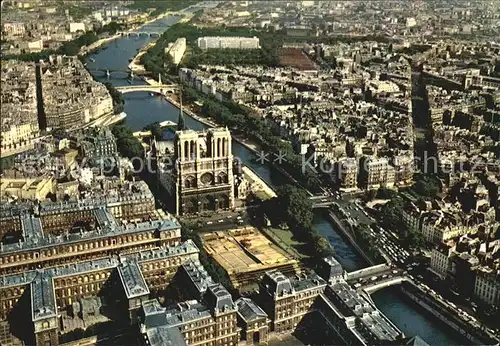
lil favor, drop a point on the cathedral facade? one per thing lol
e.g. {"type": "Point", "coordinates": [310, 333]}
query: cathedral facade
{"type": "Point", "coordinates": [202, 175]}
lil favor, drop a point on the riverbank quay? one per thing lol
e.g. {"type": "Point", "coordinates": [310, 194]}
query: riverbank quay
{"type": "Point", "coordinates": [96, 45]}
{"type": "Point", "coordinates": [332, 217]}
{"type": "Point", "coordinates": [444, 313]}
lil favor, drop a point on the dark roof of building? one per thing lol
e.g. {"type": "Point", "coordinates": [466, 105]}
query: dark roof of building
{"type": "Point", "coordinates": [248, 310]}
{"type": "Point", "coordinates": [43, 301]}
{"type": "Point", "coordinates": [198, 275]}
{"type": "Point", "coordinates": [165, 336]}
{"type": "Point", "coordinates": [416, 341]}
{"type": "Point", "coordinates": [132, 279]}
{"type": "Point", "coordinates": [154, 314]}
{"type": "Point", "coordinates": [276, 283]}
{"type": "Point", "coordinates": [219, 298]}
{"type": "Point", "coordinates": [307, 281]}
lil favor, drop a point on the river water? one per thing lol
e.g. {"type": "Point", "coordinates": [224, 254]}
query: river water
{"type": "Point", "coordinates": [143, 109]}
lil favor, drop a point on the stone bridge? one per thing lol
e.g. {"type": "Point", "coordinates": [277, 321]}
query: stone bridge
{"type": "Point", "coordinates": [162, 89]}
{"type": "Point", "coordinates": [139, 33]}
{"type": "Point", "coordinates": [321, 201]}
{"type": "Point", "coordinates": [374, 286]}
{"type": "Point", "coordinates": [369, 272]}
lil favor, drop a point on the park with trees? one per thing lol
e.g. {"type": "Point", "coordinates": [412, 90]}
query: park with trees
{"type": "Point", "coordinates": [128, 145]}
{"type": "Point", "coordinates": [292, 209]}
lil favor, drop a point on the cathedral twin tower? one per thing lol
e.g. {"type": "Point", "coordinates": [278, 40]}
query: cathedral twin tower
{"type": "Point", "coordinates": [203, 172]}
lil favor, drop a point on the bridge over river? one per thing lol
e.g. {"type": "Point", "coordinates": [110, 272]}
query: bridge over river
{"type": "Point", "coordinates": [162, 89]}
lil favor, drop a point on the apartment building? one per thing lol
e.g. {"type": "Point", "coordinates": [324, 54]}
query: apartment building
{"type": "Point", "coordinates": [376, 172]}
{"type": "Point", "coordinates": [177, 50]}
{"type": "Point", "coordinates": [53, 290]}
{"type": "Point", "coordinates": [228, 42]}
{"type": "Point", "coordinates": [487, 285]}
{"type": "Point", "coordinates": [287, 300]}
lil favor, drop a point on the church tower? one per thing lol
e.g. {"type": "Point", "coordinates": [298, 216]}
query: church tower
{"type": "Point", "coordinates": [203, 174]}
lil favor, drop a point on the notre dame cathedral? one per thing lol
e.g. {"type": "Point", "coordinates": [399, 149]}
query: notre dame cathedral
{"type": "Point", "coordinates": [201, 178]}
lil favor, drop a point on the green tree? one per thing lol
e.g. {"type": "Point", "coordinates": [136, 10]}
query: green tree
{"type": "Point", "coordinates": [155, 129]}
{"type": "Point", "coordinates": [118, 100]}
{"type": "Point", "coordinates": [297, 205]}
{"type": "Point", "coordinates": [127, 144]}
{"type": "Point", "coordinates": [426, 186]}
{"type": "Point", "coordinates": [391, 214]}
{"type": "Point", "coordinates": [6, 163]}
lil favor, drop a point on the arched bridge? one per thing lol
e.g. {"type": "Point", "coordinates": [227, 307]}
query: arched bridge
{"type": "Point", "coordinates": [383, 283]}
{"type": "Point", "coordinates": [139, 33]}
{"type": "Point", "coordinates": [157, 89]}
{"type": "Point", "coordinates": [322, 201]}
{"type": "Point", "coordinates": [112, 72]}
{"type": "Point", "coordinates": [376, 277]}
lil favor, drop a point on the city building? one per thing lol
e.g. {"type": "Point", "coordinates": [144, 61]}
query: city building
{"type": "Point", "coordinates": [13, 29]}
{"type": "Point", "coordinates": [202, 177]}
{"type": "Point", "coordinates": [210, 322]}
{"type": "Point", "coordinates": [52, 292]}
{"type": "Point", "coordinates": [28, 188]}
{"type": "Point", "coordinates": [228, 42]}
{"type": "Point", "coordinates": [487, 286]}
{"type": "Point", "coordinates": [376, 173]}
{"type": "Point", "coordinates": [245, 254]}
{"type": "Point", "coordinates": [287, 301]}
{"type": "Point", "coordinates": [177, 50]}
{"type": "Point", "coordinates": [98, 143]}
{"type": "Point", "coordinates": [253, 321]}
{"type": "Point", "coordinates": [19, 123]}
{"type": "Point", "coordinates": [71, 97]}
{"type": "Point", "coordinates": [348, 173]}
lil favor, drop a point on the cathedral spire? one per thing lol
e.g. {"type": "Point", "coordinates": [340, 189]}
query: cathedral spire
{"type": "Point", "coordinates": [180, 122]}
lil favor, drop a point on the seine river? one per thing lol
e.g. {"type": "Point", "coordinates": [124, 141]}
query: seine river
{"type": "Point", "coordinates": [143, 109]}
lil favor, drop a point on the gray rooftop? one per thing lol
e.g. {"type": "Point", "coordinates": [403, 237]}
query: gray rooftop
{"type": "Point", "coordinates": [357, 304]}
{"type": "Point", "coordinates": [32, 227]}
{"type": "Point", "coordinates": [379, 326]}
{"type": "Point", "coordinates": [108, 227]}
{"type": "Point", "coordinates": [187, 247]}
{"type": "Point", "coordinates": [307, 281]}
{"type": "Point", "coordinates": [276, 283]}
{"type": "Point", "coordinates": [187, 312]}
{"type": "Point", "coordinates": [198, 275]}
{"type": "Point", "coordinates": [219, 298]}
{"type": "Point", "coordinates": [132, 279]}
{"type": "Point", "coordinates": [104, 218]}
{"type": "Point", "coordinates": [43, 300]}
{"type": "Point", "coordinates": [165, 336]}
{"type": "Point", "coordinates": [248, 310]}
{"type": "Point", "coordinates": [163, 327]}
{"type": "Point", "coordinates": [22, 279]}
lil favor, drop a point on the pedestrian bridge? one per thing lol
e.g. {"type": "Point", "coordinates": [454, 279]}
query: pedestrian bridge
{"type": "Point", "coordinates": [162, 89]}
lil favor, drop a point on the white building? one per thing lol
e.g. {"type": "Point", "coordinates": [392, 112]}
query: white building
{"type": "Point", "coordinates": [378, 173]}
{"type": "Point", "coordinates": [14, 29]}
{"type": "Point", "coordinates": [410, 22]}
{"type": "Point", "coordinates": [439, 260]}
{"type": "Point", "coordinates": [177, 50]}
{"type": "Point", "coordinates": [229, 42]}
{"type": "Point", "coordinates": [75, 27]}
{"type": "Point", "coordinates": [487, 286]}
